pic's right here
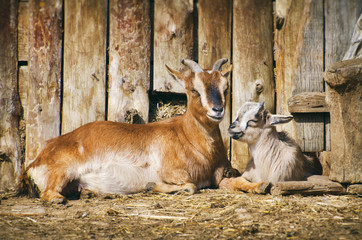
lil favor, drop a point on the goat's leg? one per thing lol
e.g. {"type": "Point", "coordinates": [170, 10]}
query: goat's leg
{"type": "Point", "coordinates": [162, 187]}
{"type": "Point", "coordinates": [55, 184]}
{"type": "Point", "coordinates": [241, 184]}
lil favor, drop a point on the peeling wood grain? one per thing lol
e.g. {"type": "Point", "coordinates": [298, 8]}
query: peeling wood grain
{"type": "Point", "coordinates": [10, 109]}
{"type": "Point", "coordinates": [173, 41]}
{"type": "Point", "coordinates": [43, 115]}
{"type": "Point", "coordinates": [84, 62]}
{"type": "Point", "coordinates": [129, 60]}
{"type": "Point", "coordinates": [252, 63]}
{"type": "Point", "coordinates": [214, 42]}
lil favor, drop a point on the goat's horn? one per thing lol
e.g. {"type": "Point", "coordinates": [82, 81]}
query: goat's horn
{"type": "Point", "coordinates": [218, 64]}
{"type": "Point", "coordinates": [192, 64]}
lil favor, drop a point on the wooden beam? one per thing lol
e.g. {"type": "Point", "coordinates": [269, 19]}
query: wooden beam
{"type": "Point", "coordinates": [308, 102]}
{"type": "Point", "coordinates": [252, 63]}
{"type": "Point", "coordinates": [129, 60]}
{"type": "Point", "coordinates": [173, 41]}
{"type": "Point", "coordinates": [307, 188]}
{"type": "Point", "coordinates": [214, 34]}
{"type": "Point", "coordinates": [43, 115]}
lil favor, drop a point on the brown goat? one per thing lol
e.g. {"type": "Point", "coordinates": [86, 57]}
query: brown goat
{"type": "Point", "coordinates": [180, 153]}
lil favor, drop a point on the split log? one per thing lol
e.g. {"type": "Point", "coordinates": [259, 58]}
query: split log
{"type": "Point", "coordinates": [307, 188]}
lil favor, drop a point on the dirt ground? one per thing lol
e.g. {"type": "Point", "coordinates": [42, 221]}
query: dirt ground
{"type": "Point", "coordinates": [209, 214]}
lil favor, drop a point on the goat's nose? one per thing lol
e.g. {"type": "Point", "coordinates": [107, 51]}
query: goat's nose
{"type": "Point", "coordinates": [218, 109]}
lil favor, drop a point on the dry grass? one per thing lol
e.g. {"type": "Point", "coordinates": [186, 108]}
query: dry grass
{"type": "Point", "coordinates": [210, 214]}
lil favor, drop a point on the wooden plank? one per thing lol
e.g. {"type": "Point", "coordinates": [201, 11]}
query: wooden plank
{"type": "Point", "coordinates": [308, 102]}
{"type": "Point", "coordinates": [214, 34]}
{"type": "Point", "coordinates": [340, 19]}
{"type": "Point", "coordinates": [299, 67]}
{"type": "Point", "coordinates": [23, 31]}
{"type": "Point", "coordinates": [43, 115]}
{"type": "Point", "coordinates": [85, 34]}
{"type": "Point", "coordinates": [10, 109]}
{"type": "Point", "coordinates": [173, 41]}
{"type": "Point", "coordinates": [129, 60]}
{"type": "Point", "coordinates": [307, 188]}
{"type": "Point", "coordinates": [252, 63]}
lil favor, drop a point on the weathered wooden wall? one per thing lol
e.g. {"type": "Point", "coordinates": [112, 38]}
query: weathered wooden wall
{"type": "Point", "coordinates": [65, 65]}
{"type": "Point", "coordinates": [10, 109]}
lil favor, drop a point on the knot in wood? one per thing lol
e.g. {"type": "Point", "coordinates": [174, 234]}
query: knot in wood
{"type": "Point", "coordinates": [259, 87]}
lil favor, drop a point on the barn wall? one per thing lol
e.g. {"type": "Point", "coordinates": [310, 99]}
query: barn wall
{"type": "Point", "coordinates": [66, 65]}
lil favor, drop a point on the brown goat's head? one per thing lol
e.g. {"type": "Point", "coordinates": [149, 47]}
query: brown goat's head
{"type": "Point", "coordinates": [205, 89]}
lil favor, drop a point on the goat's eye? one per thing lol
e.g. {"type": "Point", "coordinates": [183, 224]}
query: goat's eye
{"type": "Point", "coordinates": [251, 123]}
{"type": "Point", "coordinates": [195, 92]}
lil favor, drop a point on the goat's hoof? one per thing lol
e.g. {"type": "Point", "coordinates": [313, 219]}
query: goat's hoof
{"type": "Point", "coordinates": [150, 186]}
{"type": "Point", "coordinates": [264, 188]}
{"type": "Point", "coordinates": [58, 200]}
{"type": "Point", "coordinates": [189, 189]}
{"type": "Point", "coordinates": [87, 194]}
{"type": "Point", "coordinates": [230, 172]}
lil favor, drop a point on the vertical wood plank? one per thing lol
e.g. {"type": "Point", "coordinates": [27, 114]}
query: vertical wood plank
{"type": "Point", "coordinates": [340, 19]}
{"type": "Point", "coordinates": [85, 32]}
{"type": "Point", "coordinates": [252, 63]}
{"type": "Point", "coordinates": [173, 41]}
{"type": "Point", "coordinates": [129, 60]}
{"type": "Point", "coordinates": [43, 115]}
{"type": "Point", "coordinates": [23, 31]}
{"type": "Point", "coordinates": [10, 110]}
{"type": "Point", "coordinates": [214, 42]}
{"type": "Point", "coordinates": [299, 67]}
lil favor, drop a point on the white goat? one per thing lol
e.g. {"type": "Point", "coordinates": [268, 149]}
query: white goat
{"type": "Point", "coordinates": [275, 156]}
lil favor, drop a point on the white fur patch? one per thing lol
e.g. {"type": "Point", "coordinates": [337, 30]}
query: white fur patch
{"type": "Point", "coordinates": [118, 172]}
{"type": "Point", "coordinates": [39, 176]}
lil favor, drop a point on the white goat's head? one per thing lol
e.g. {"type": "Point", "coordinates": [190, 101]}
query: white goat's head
{"type": "Point", "coordinates": [251, 121]}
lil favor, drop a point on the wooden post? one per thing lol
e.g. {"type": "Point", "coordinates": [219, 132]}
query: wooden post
{"type": "Point", "coordinates": [299, 68]}
{"type": "Point", "coordinates": [214, 33]}
{"type": "Point", "coordinates": [129, 60]}
{"type": "Point", "coordinates": [173, 41]}
{"type": "Point", "coordinates": [10, 110]}
{"type": "Point", "coordinates": [85, 34]}
{"type": "Point", "coordinates": [252, 63]}
{"type": "Point", "coordinates": [43, 120]}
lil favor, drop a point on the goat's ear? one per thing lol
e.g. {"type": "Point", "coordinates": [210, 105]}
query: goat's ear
{"type": "Point", "coordinates": [226, 72]}
{"type": "Point", "coordinates": [273, 119]}
{"type": "Point", "coordinates": [179, 77]}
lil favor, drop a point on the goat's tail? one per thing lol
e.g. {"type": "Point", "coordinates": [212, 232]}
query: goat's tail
{"type": "Point", "coordinates": [27, 186]}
